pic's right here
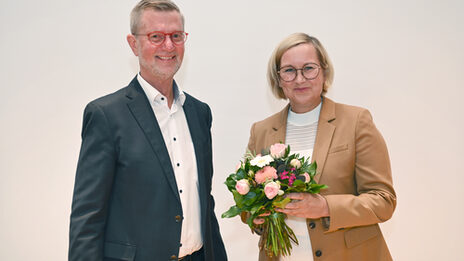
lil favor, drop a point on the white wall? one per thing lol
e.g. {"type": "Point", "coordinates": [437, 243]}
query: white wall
{"type": "Point", "coordinates": [400, 59]}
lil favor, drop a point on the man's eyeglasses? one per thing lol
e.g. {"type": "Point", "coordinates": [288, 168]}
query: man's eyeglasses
{"type": "Point", "coordinates": [158, 37]}
{"type": "Point", "coordinates": [309, 71]}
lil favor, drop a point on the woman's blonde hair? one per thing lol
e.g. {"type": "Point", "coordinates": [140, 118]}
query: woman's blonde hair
{"type": "Point", "coordinates": [292, 41]}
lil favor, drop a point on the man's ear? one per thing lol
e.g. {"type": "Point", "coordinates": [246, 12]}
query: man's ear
{"type": "Point", "coordinates": [132, 43]}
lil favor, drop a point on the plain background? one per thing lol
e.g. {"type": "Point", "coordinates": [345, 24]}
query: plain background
{"type": "Point", "coordinates": [402, 60]}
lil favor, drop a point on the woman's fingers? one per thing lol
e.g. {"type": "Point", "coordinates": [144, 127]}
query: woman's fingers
{"type": "Point", "coordinates": [258, 221]}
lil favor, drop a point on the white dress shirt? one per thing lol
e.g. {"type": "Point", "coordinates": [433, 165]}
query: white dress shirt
{"type": "Point", "coordinates": [176, 134]}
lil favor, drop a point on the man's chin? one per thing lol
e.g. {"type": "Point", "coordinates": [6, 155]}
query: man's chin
{"type": "Point", "coordinates": [165, 74]}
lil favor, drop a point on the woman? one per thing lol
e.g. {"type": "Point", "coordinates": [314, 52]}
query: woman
{"type": "Point", "coordinates": [352, 159]}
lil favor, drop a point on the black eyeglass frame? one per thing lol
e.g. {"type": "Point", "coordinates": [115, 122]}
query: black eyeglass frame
{"type": "Point", "coordinates": [300, 69]}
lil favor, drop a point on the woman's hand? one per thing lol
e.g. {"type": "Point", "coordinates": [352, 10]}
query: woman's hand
{"type": "Point", "coordinates": [306, 205]}
{"type": "Point", "coordinates": [259, 221]}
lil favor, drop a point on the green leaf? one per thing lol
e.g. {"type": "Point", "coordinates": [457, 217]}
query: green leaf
{"type": "Point", "coordinates": [316, 188]}
{"type": "Point", "coordinates": [256, 208]}
{"type": "Point", "coordinates": [249, 198]}
{"type": "Point", "coordinates": [312, 169]}
{"type": "Point", "coordinates": [287, 151]}
{"type": "Point", "coordinates": [238, 198]}
{"type": "Point", "coordinates": [282, 203]}
{"type": "Point", "coordinates": [232, 212]}
{"type": "Point", "coordinates": [247, 164]}
{"type": "Point", "coordinates": [298, 183]}
{"type": "Point", "coordinates": [241, 174]}
{"type": "Point", "coordinates": [250, 221]}
{"type": "Point", "coordinates": [230, 182]}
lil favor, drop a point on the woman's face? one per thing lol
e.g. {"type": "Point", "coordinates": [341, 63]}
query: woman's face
{"type": "Point", "coordinates": [304, 94]}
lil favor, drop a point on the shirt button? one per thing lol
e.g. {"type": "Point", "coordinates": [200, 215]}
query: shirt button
{"type": "Point", "coordinates": [180, 191]}
{"type": "Point", "coordinates": [162, 98]}
{"type": "Point", "coordinates": [175, 139]}
{"type": "Point", "coordinates": [312, 225]}
{"type": "Point", "coordinates": [318, 253]}
{"type": "Point", "coordinates": [178, 164]}
{"type": "Point", "coordinates": [180, 245]}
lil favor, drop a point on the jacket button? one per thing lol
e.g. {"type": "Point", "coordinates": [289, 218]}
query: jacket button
{"type": "Point", "coordinates": [318, 253]}
{"type": "Point", "coordinates": [178, 218]}
{"type": "Point", "coordinates": [173, 257]}
{"type": "Point", "coordinates": [312, 225]}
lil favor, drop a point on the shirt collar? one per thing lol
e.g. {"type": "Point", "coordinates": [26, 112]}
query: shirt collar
{"type": "Point", "coordinates": [153, 94]}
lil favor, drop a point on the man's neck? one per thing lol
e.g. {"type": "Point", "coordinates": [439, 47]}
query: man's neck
{"type": "Point", "coordinates": [164, 86]}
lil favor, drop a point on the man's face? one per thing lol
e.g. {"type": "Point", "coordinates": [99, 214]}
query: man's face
{"type": "Point", "coordinates": [162, 61]}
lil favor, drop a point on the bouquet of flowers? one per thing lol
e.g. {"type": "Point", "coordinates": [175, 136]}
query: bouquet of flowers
{"type": "Point", "coordinates": [260, 184]}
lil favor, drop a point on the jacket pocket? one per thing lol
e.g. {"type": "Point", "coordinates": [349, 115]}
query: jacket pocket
{"type": "Point", "coordinates": [359, 235]}
{"type": "Point", "coordinates": [338, 148]}
{"type": "Point", "coordinates": [120, 251]}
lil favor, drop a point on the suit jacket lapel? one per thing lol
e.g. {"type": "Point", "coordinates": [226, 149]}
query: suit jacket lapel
{"type": "Point", "coordinates": [197, 134]}
{"type": "Point", "coordinates": [143, 113]}
{"type": "Point", "coordinates": [325, 131]}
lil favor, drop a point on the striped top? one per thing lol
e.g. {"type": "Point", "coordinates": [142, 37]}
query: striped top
{"type": "Point", "coordinates": [302, 130]}
{"type": "Point", "coordinates": [301, 136]}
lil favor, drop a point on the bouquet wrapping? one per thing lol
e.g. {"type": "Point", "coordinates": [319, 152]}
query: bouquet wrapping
{"type": "Point", "coordinates": [260, 184]}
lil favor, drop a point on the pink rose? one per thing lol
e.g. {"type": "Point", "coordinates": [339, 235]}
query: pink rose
{"type": "Point", "coordinates": [307, 178]}
{"type": "Point", "coordinates": [238, 166]}
{"type": "Point", "coordinates": [265, 173]}
{"type": "Point", "coordinates": [277, 150]}
{"type": "Point", "coordinates": [242, 186]}
{"type": "Point", "coordinates": [271, 189]}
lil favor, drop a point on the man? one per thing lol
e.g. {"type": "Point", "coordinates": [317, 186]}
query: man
{"type": "Point", "coordinates": [143, 181]}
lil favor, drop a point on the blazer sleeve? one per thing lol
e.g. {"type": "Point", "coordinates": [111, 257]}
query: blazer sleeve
{"type": "Point", "coordinates": [218, 251]}
{"type": "Point", "coordinates": [92, 187]}
{"type": "Point", "coordinates": [375, 200]}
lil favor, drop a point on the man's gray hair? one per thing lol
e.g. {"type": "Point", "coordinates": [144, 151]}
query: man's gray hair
{"type": "Point", "coordinates": [156, 5]}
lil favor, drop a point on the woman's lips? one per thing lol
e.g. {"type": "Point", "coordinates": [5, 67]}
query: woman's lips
{"type": "Point", "coordinates": [300, 89]}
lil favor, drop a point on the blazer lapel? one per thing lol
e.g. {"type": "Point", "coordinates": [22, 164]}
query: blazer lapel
{"type": "Point", "coordinates": [325, 131]}
{"type": "Point", "coordinates": [279, 127]}
{"type": "Point", "coordinates": [198, 138]}
{"type": "Point", "coordinates": [143, 113]}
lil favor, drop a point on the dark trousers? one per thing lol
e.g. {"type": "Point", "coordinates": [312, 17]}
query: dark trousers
{"type": "Point", "coordinates": [195, 256]}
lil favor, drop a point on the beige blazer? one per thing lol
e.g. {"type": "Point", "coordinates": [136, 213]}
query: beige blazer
{"type": "Point", "coordinates": [352, 159]}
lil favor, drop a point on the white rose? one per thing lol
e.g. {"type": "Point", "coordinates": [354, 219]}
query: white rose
{"type": "Point", "coordinates": [261, 161]}
{"type": "Point", "coordinates": [296, 163]}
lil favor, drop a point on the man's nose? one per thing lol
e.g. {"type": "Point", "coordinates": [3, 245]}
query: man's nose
{"type": "Point", "coordinates": [168, 44]}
